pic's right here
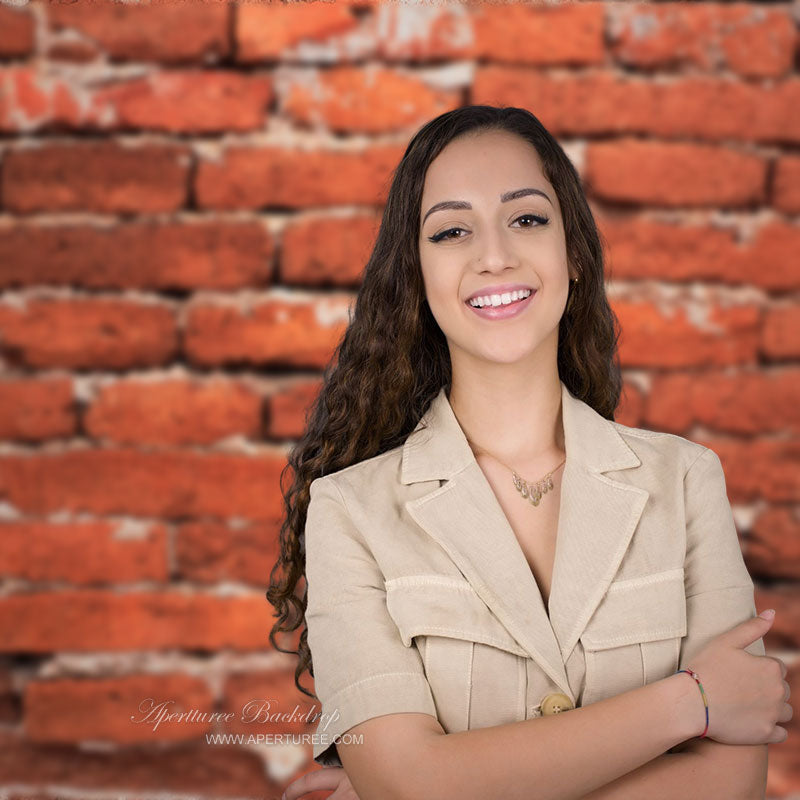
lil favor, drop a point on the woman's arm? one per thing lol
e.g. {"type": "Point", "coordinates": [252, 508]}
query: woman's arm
{"type": "Point", "coordinates": [556, 757]}
{"type": "Point", "coordinates": [719, 594]}
{"type": "Point", "coordinates": [703, 769]}
{"type": "Point", "coordinates": [663, 778]}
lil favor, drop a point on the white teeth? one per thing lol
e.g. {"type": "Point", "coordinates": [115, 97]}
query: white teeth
{"type": "Point", "coordinates": [499, 299]}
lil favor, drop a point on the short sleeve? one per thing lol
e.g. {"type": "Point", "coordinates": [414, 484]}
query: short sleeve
{"type": "Point", "coordinates": [362, 669]}
{"type": "Point", "coordinates": [719, 589]}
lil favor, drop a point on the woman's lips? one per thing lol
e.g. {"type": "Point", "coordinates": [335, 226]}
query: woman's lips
{"type": "Point", "coordinates": [503, 312]}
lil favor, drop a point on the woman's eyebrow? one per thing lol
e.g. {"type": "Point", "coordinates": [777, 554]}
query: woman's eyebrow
{"type": "Point", "coordinates": [460, 205]}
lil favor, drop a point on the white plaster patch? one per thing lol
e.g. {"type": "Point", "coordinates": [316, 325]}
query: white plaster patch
{"type": "Point", "coordinates": [455, 75]}
{"type": "Point", "coordinates": [330, 311]}
{"type": "Point", "coordinates": [131, 530]}
{"type": "Point", "coordinates": [400, 26]}
{"type": "Point", "coordinates": [281, 761]}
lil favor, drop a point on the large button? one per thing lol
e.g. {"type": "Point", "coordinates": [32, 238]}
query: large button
{"type": "Point", "coordinates": [556, 703]}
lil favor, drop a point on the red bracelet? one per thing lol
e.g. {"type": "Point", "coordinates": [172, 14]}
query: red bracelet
{"type": "Point", "coordinates": [694, 675]}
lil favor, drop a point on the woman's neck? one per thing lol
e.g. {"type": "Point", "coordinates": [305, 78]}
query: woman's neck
{"type": "Point", "coordinates": [521, 426]}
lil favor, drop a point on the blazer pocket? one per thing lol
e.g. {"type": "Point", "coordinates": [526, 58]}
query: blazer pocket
{"type": "Point", "coordinates": [634, 636]}
{"type": "Point", "coordinates": [475, 668]}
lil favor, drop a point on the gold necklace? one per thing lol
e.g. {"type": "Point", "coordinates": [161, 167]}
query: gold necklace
{"type": "Point", "coordinates": [530, 491]}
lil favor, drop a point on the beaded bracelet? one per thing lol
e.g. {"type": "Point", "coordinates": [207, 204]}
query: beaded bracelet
{"type": "Point", "coordinates": [694, 675]}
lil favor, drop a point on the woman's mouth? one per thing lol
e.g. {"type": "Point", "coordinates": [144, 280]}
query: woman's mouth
{"type": "Point", "coordinates": [503, 310]}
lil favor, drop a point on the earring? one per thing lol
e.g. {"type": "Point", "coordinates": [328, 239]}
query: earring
{"type": "Point", "coordinates": [573, 281]}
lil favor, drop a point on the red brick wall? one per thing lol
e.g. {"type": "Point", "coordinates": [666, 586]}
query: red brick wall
{"type": "Point", "coordinates": [188, 192]}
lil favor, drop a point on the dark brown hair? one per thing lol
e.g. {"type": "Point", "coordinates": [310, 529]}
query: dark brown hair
{"type": "Point", "coordinates": [393, 357]}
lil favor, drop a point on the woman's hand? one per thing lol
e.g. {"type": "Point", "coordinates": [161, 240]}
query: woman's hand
{"type": "Point", "coordinates": [323, 779]}
{"type": "Point", "coordinates": [747, 693]}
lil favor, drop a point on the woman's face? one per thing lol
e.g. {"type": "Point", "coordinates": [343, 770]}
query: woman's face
{"type": "Point", "coordinates": [493, 245]}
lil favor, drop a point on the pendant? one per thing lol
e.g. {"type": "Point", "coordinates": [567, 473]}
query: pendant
{"type": "Point", "coordinates": [533, 492]}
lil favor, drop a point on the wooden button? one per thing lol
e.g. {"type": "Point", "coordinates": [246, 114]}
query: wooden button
{"type": "Point", "coordinates": [556, 703]}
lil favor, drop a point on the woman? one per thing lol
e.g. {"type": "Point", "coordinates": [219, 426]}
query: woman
{"type": "Point", "coordinates": [483, 545]}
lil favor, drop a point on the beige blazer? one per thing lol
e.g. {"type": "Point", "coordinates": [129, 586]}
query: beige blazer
{"type": "Point", "coordinates": [421, 599]}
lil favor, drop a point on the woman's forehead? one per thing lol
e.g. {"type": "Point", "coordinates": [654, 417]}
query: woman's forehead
{"type": "Point", "coordinates": [485, 161]}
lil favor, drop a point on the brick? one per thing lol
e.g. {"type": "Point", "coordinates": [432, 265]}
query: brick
{"type": "Point", "coordinates": [768, 260]}
{"type": "Point", "coordinates": [369, 99]}
{"type": "Point", "coordinates": [545, 34]}
{"type": "Point", "coordinates": [203, 254]}
{"type": "Point", "coordinates": [33, 99]}
{"type": "Point", "coordinates": [631, 405]}
{"type": "Point", "coordinates": [269, 703]}
{"type": "Point", "coordinates": [674, 174]}
{"type": "Point", "coordinates": [759, 469]}
{"type": "Point", "coordinates": [296, 332]}
{"type": "Point", "coordinates": [168, 32]}
{"type": "Point", "coordinates": [780, 337]}
{"type": "Point", "coordinates": [333, 34]}
{"type": "Point", "coordinates": [174, 101]}
{"type": "Point", "coordinates": [185, 768]}
{"type": "Point", "coordinates": [127, 709]}
{"type": "Point", "coordinates": [84, 553]}
{"type": "Point", "coordinates": [33, 409]}
{"type": "Point", "coordinates": [750, 40]}
{"type": "Point", "coordinates": [189, 102]}
{"type": "Point", "coordinates": [78, 333]}
{"type": "Point", "coordinates": [16, 32]}
{"type": "Point", "coordinates": [773, 544]}
{"type": "Point", "coordinates": [670, 403]}
{"type": "Point", "coordinates": [416, 33]}
{"type": "Point", "coordinates": [169, 484]}
{"type": "Point", "coordinates": [291, 177]}
{"type": "Point", "coordinates": [640, 248]}
{"type": "Point", "coordinates": [327, 250]}
{"type": "Point", "coordinates": [602, 102]}
{"type": "Point", "coordinates": [684, 336]}
{"type": "Point", "coordinates": [208, 552]}
{"type": "Point", "coordinates": [786, 185]}
{"type": "Point", "coordinates": [95, 176]}
{"type": "Point", "coordinates": [95, 620]}
{"type": "Point", "coordinates": [173, 412]}
{"type": "Point", "coordinates": [744, 403]}
{"type": "Point", "coordinates": [25, 97]}
{"type": "Point", "coordinates": [288, 408]}
{"type": "Point", "coordinates": [264, 31]}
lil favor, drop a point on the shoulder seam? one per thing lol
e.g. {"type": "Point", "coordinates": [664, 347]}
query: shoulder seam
{"type": "Point", "coordinates": [695, 460]}
{"type": "Point", "coordinates": [341, 497]}
{"type": "Point", "coordinates": [343, 500]}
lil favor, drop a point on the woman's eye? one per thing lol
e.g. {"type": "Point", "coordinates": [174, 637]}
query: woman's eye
{"type": "Point", "coordinates": [540, 220]}
{"type": "Point", "coordinates": [444, 235]}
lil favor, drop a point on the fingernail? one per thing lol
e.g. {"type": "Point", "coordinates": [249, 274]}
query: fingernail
{"type": "Point", "coordinates": [768, 614]}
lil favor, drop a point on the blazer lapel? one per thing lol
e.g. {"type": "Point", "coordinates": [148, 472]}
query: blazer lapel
{"type": "Point", "coordinates": [597, 518]}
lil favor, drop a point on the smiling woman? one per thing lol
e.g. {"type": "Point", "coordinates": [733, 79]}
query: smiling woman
{"type": "Point", "coordinates": [492, 232]}
{"type": "Point", "coordinates": [503, 584]}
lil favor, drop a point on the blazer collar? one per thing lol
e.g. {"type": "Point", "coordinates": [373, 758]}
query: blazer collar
{"type": "Point", "coordinates": [597, 517]}
{"type": "Point", "coordinates": [590, 439]}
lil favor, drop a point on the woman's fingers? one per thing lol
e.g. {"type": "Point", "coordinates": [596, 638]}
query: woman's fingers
{"type": "Point", "coordinates": [344, 792]}
{"type": "Point", "coordinates": [320, 779]}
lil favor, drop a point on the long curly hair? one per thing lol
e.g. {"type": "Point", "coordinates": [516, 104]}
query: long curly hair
{"type": "Point", "coordinates": [393, 358]}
